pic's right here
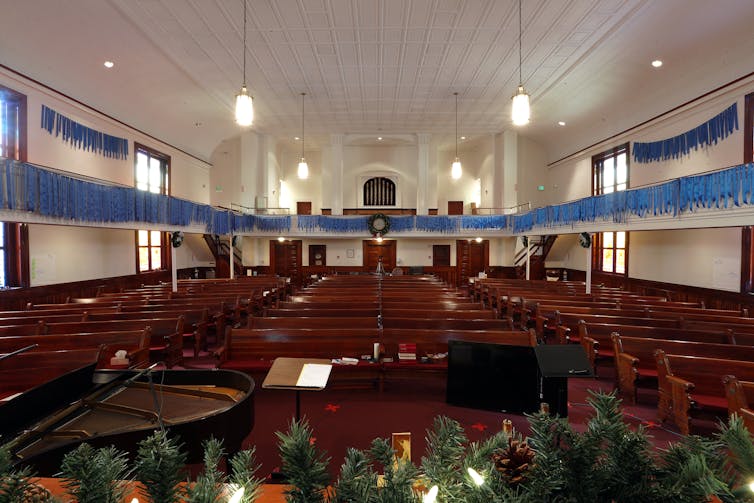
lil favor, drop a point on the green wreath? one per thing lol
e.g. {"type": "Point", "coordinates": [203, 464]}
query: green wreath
{"type": "Point", "coordinates": [378, 223]}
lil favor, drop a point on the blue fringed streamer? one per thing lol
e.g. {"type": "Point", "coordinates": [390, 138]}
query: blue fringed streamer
{"type": "Point", "coordinates": [83, 137]}
{"type": "Point", "coordinates": [267, 223]}
{"type": "Point", "coordinates": [437, 223]}
{"type": "Point", "coordinates": [484, 222]}
{"type": "Point", "coordinates": [402, 223]}
{"type": "Point", "coordinates": [716, 129]}
{"type": "Point", "coordinates": [333, 224]}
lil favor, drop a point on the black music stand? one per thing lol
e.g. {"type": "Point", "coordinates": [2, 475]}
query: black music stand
{"type": "Point", "coordinates": [287, 373]}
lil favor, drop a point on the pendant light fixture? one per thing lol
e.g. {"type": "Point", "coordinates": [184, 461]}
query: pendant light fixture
{"type": "Point", "coordinates": [244, 103]}
{"type": "Point", "coordinates": [303, 168]}
{"type": "Point", "coordinates": [520, 107]}
{"type": "Point", "coordinates": [455, 168]}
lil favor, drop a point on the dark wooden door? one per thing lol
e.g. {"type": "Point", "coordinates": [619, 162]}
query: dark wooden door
{"type": "Point", "coordinates": [303, 208]}
{"type": "Point", "coordinates": [440, 255]}
{"type": "Point", "coordinates": [285, 259]}
{"type": "Point", "coordinates": [471, 259]}
{"type": "Point", "coordinates": [455, 207]}
{"type": "Point", "coordinates": [373, 251]}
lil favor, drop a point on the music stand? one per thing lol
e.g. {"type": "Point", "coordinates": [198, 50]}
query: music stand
{"type": "Point", "coordinates": [298, 374]}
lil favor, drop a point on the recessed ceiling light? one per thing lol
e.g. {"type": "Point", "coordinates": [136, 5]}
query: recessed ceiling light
{"type": "Point", "coordinates": [109, 64]}
{"type": "Point", "coordinates": [463, 137]}
{"type": "Point", "coordinates": [296, 138]}
{"type": "Point", "coordinates": [657, 63]}
{"type": "Point", "coordinates": [561, 123]}
{"type": "Point", "coordinates": [379, 138]}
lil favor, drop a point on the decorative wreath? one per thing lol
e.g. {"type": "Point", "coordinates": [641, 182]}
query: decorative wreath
{"type": "Point", "coordinates": [176, 239]}
{"type": "Point", "coordinates": [378, 224]}
{"type": "Point", "coordinates": [585, 240]}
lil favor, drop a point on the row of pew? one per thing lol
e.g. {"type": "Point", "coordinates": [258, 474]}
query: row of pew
{"type": "Point", "coordinates": [700, 361]}
{"type": "Point", "coordinates": [346, 316]}
{"type": "Point", "coordinates": [151, 324]}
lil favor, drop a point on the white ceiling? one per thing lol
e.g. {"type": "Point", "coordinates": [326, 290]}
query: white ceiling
{"type": "Point", "coordinates": [379, 66]}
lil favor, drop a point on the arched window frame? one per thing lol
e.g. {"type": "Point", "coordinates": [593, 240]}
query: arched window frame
{"type": "Point", "coordinates": [365, 178]}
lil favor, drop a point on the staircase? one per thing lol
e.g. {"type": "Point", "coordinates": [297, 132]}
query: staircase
{"type": "Point", "coordinates": [539, 247]}
{"type": "Point", "coordinates": [221, 251]}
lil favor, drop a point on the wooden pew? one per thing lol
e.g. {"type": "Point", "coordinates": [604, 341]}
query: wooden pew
{"type": "Point", "coordinates": [313, 322]}
{"type": "Point", "coordinates": [740, 394]}
{"type": "Point", "coordinates": [635, 363]}
{"type": "Point", "coordinates": [307, 312]}
{"type": "Point", "coordinates": [253, 351]}
{"type": "Point", "coordinates": [135, 343]}
{"type": "Point", "coordinates": [166, 341]}
{"type": "Point", "coordinates": [596, 338]}
{"type": "Point", "coordinates": [446, 323]}
{"type": "Point", "coordinates": [688, 385]}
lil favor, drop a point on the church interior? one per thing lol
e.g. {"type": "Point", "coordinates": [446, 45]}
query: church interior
{"type": "Point", "coordinates": [393, 190]}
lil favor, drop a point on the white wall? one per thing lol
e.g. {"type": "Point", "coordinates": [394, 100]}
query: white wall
{"type": "Point", "coordinates": [360, 162]}
{"type": "Point", "coordinates": [66, 254]}
{"type": "Point", "coordinates": [194, 252]}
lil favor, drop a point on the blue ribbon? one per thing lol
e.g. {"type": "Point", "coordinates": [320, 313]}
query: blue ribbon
{"type": "Point", "coordinates": [83, 137]}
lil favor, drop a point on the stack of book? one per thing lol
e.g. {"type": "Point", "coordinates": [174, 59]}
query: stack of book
{"type": "Point", "coordinates": [407, 352]}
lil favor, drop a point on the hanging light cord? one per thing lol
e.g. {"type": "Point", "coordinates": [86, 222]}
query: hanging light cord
{"type": "Point", "coordinates": [456, 94]}
{"type": "Point", "coordinates": [302, 124]}
{"type": "Point", "coordinates": [244, 43]}
{"type": "Point", "coordinates": [520, 60]}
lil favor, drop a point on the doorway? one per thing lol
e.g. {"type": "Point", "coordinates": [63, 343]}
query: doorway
{"type": "Point", "coordinates": [285, 259]}
{"type": "Point", "coordinates": [471, 259]}
{"type": "Point", "coordinates": [373, 250]}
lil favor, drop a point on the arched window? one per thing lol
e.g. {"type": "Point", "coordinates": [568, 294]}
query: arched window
{"type": "Point", "coordinates": [379, 191]}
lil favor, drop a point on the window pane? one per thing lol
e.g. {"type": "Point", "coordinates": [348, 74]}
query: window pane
{"type": "Point", "coordinates": [620, 239]}
{"type": "Point", "coordinates": [620, 186]}
{"type": "Point", "coordinates": [154, 238]}
{"type": "Point", "coordinates": [142, 168]}
{"type": "Point", "coordinates": [621, 169]}
{"type": "Point", "coordinates": [620, 261]}
{"type": "Point", "coordinates": [2, 235]}
{"type": "Point", "coordinates": [142, 186]}
{"type": "Point", "coordinates": [2, 270]}
{"type": "Point", "coordinates": [143, 238]}
{"type": "Point", "coordinates": [607, 260]}
{"type": "Point", "coordinates": [156, 262]}
{"type": "Point", "coordinates": [607, 240]}
{"type": "Point", "coordinates": [154, 174]}
{"type": "Point", "coordinates": [608, 177]}
{"type": "Point", "coordinates": [143, 259]}
{"type": "Point", "coordinates": [607, 190]}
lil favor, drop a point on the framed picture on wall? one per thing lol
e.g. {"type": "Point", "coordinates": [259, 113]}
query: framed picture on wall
{"type": "Point", "coordinates": [350, 253]}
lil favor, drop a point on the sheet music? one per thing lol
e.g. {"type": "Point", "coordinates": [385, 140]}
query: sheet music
{"type": "Point", "coordinates": [314, 375]}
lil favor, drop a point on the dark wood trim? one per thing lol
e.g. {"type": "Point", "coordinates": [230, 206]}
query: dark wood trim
{"type": "Point", "coordinates": [372, 211]}
{"type": "Point", "coordinates": [110, 117]}
{"type": "Point", "coordinates": [747, 259]}
{"type": "Point", "coordinates": [658, 116]}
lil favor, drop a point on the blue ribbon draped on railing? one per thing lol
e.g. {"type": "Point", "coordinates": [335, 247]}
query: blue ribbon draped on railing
{"type": "Point", "coordinates": [484, 222]}
{"type": "Point", "coordinates": [28, 188]}
{"type": "Point", "coordinates": [273, 223]}
{"type": "Point", "coordinates": [333, 224]}
{"type": "Point", "coordinates": [717, 128]}
{"type": "Point", "coordinates": [437, 223]}
{"type": "Point", "coordinates": [83, 137]}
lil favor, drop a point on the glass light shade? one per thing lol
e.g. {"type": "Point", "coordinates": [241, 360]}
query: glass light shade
{"type": "Point", "coordinates": [475, 476]}
{"type": "Point", "coordinates": [303, 169]}
{"type": "Point", "coordinates": [244, 108]}
{"type": "Point", "coordinates": [431, 496]}
{"type": "Point", "coordinates": [520, 107]}
{"type": "Point", "coordinates": [455, 169]}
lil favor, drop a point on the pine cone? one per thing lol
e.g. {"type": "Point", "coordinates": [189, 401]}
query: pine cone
{"type": "Point", "coordinates": [35, 493]}
{"type": "Point", "coordinates": [514, 462]}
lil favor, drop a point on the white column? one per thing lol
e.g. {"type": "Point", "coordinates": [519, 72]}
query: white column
{"type": "Point", "coordinates": [249, 168]}
{"type": "Point", "coordinates": [174, 266]}
{"type": "Point", "coordinates": [528, 259]}
{"type": "Point", "coordinates": [231, 258]}
{"type": "Point", "coordinates": [589, 267]}
{"type": "Point", "coordinates": [510, 169]}
{"type": "Point", "coordinates": [422, 177]}
{"type": "Point", "coordinates": [335, 181]}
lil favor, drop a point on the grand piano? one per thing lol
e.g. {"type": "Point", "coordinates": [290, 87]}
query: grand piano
{"type": "Point", "coordinates": [122, 407]}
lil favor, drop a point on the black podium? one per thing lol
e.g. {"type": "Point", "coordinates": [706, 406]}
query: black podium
{"type": "Point", "coordinates": [513, 379]}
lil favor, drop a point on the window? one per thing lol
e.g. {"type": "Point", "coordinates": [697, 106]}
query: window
{"type": "Point", "coordinates": [379, 191]}
{"type": "Point", "coordinates": [14, 237]}
{"type": "Point", "coordinates": [610, 174]}
{"type": "Point", "coordinates": [152, 174]}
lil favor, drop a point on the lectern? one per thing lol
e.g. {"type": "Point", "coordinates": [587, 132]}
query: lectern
{"type": "Point", "coordinates": [513, 379]}
{"type": "Point", "coordinates": [298, 374]}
